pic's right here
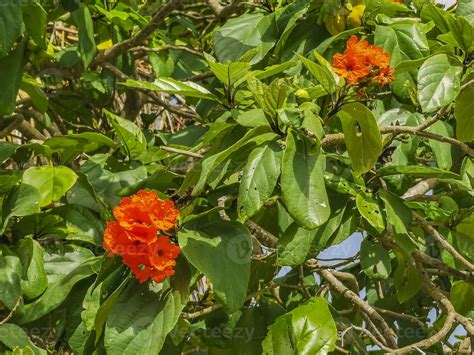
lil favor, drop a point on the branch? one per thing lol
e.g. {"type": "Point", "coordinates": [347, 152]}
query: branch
{"type": "Point", "coordinates": [142, 50]}
{"type": "Point", "coordinates": [141, 36]}
{"type": "Point", "coordinates": [338, 138]}
{"type": "Point", "coordinates": [17, 120]}
{"type": "Point", "coordinates": [443, 242]}
{"type": "Point", "coordinates": [170, 107]}
{"type": "Point", "coordinates": [352, 297]}
{"type": "Point", "coordinates": [421, 188]}
{"type": "Point", "coordinates": [12, 312]}
{"type": "Point", "coordinates": [223, 12]}
{"type": "Point", "coordinates": [182, 152]}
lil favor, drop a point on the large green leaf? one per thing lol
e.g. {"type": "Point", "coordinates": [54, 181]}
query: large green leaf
{"type": "Point", "coordinates": [466, 8]}
{"type": "Point", "coordinates": [307, 329]}
{"type": "Point", "coordinates": [254, 136]}
{"type": "Point", "coordinates": [55, 294]}
{"type": "Point", "coordinates": [370, 210]}
{"type": "Point", "coordinates": [51, 181]}
{"type": "Point", "coordinates": [10, 278]}
{"type": "Point", "coordinates": [70, 146]}
{"type": "Point", "coordinates": [461, 295]}
{"type": "Point", "coordinates": [439, 81]}
{"type": "Point", "coordinates": [13, 336]}
{"type": "Point", "coordinates": [406, 278]}
{"type": "Point", "coordinates": [221, 250]}
{"type": "Point", "coordinates": [230, 74]}
{"type": "Point", "coordinates": [246, 32]}
{"type": "Point", "coordinates": [322, 74]}
{"type": "Point", "coordinates": [295, 244]}
{"type": "Point", "coordinates": [375, 260]}
{"type": "Point", "coordinates": [10, 25]}
{"type": "Point", "coordinates": [172, 86]}
{"type": "Point", "coordinates": [11, 71]}
{"type": "Point", "coordinates": [463, 111]}
{"type": "Point", "coordinates": [362, 136]}
{"type": "Point", "coordinates": [34, 279]}
{"type": "Point", "coordinates": [129, 134]}
{"type": "Point", "coordinates": [23, 200]}
{"type": "Point", "coordinates": [35, 19]}
{"type": "Point", "coordinates": [442, 151]}
{"type": "Point", "coordinates": [302, 181]}
{"type": "Point", "coordinates": [259, 179]}
{"type": "Point", "coordinates": [404, 41]}
{"type": "Point", "coordinates": [141, 318]}
{"type": "Point", "coordinates": [87, 47]}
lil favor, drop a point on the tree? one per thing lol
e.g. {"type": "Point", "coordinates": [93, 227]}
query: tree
{"type": "Point", "coordinates": [173, 174]}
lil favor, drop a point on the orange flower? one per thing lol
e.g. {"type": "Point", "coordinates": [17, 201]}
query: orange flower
{"type": "Point", "coordinates": [361, 61]}
{"type": "Point", "coordinates": [385, 76]}
{"type": "Point", "coordinates": [350, 67]}
{"type": "Point", "coordinates": [135, 235]}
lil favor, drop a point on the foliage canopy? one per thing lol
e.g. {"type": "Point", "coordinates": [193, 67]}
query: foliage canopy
{"type": "Point", "coordinates": [285, 132]}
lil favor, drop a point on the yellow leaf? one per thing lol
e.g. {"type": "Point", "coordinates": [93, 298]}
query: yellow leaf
{"type": "Point", "coordinates": [104, 45]}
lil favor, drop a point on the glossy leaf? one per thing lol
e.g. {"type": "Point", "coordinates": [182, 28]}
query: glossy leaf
{"type": "Point", "coordinates": [463, 110]}
{"type": "Point", "coordinates": [307, 329]}
{"type": "Point", "coordinates": [438, 82]}
{"type": "Point", "coordinates": [221, 250]}
{"type": "Point", "coordinates": [52, 182]}
{"type": "Point", "coordinates": [362, 136]}
{"type": "Point", "coordinates": [302, 181]}
{"type": "Point", "coordinates": [259, 179]}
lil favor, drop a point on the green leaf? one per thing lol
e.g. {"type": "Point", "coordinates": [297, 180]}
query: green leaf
{"type": "Point", "coordinates": [375, 260]}
{"type": "Point", "coordinates": [70, 146]}
{"type": "Point", "coordinates": [259, 179]}
{"type": "Point", "coordinates": [322, 74]}
{"type": "Point", "coordinates": [55, 294]}
{"type": "Point", "coordinates": [34, 280]}
{"type": "Point", "coordinates": [272, 70]}
{"type": "Point", "coordinates": [7, 149]}
{"type": "Point", "coordinates": [417, 171]}
{"type": "Point", "coordinates": [87, 47]}
{"type": "Point", "coordinates": [463, 109]}
{"type": "Point", "coordinates": [142, 318]}
{"type": "Point", "coordinates": [462, 31]}
{"type": "Point", "coordinates": [35, 19]}
{"type": "Point", "coordinates": [221, 250]}
{"type": "Point", "coordinates": [399, 216]}
{"type": "Point", "coordinates": [129, 133]}
{"type": "Point", "coordinates": [270, 98]}
{"type": "Point", "coordinates": [12, 336]}
{"type": "Point", "coordinates": [10, 26]}
{"type": "Point", "coordinates": [243, 33]}
{"type": "Point", "coordinates": [11, 71]}
{"type": "Point", "coordinates": [23, 200]}
{"type": "Point", "coordinates": [51, 181]}
{"type": "Point", "coordinates": [362, 136]}
{"type": "Point", "coordinates": [295, 245]}
{"type": "Point", "coordinates": [36, 92]}
{"type": "Point", "coordinates": [461, 296]}
{"type": "Point", "coordinates": [229, 74]}
{"type": "Point", "coordinates": [442, 151]}
{"type": "Point", "coordinates": [172, 86]}
{"type": "Point", "coordinates": [302, 181]}
{"type": "Point", "coordinates": [466, 8]}
{"type": "Point", "coordinates": [370, 210]}
{"type": "Point", "coordinates": [10, 279]}
{"type": "Point", "coordinates": [438, 82]}
{"type": "Point", "coordinates": [259, 134]}
{"type": "Point", "coordinates": [307, 329]}
{"type": "Point", "coordinates": [404, 41]}
{"type": "Point", "coordinates": [406, 278]}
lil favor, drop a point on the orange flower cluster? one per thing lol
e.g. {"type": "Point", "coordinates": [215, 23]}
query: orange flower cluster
{"type": "Point", "coordinates": [361, 62]}
{"type": "Point", "coordinates": [137, 237]}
